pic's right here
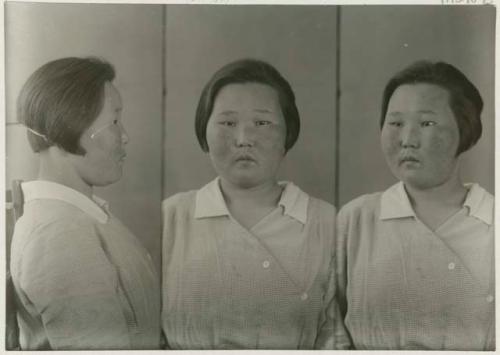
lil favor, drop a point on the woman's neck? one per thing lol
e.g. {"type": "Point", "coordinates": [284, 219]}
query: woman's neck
{"type": "Point", "coordinates": [434, 206]}
{"type": "Point", "coordinates": [55, 168]}
{"type": "Point", "coordinates": [250, 205]}
{"type": "Point", "coordinates": [450, 193]}
{"type": "Point", "coordinates": [263, 195]}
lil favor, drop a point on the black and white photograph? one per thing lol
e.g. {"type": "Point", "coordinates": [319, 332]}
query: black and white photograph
{"type": "Point", "coordinates": [228, 175]}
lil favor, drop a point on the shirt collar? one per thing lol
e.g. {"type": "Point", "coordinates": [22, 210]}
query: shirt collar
{"type": "Point", "coordinates": [396, 204]}
{"type": "Point", "coordinates": [294, 202]}
{"type": "Point", "coordinates": [210, 202]}
{"type": "Point", "coordinates": [47, 190]}
{"type": "Point", "coordinates": [480, 203]}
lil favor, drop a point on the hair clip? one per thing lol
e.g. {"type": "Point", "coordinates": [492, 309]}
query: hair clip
{"type": "Point", "coordinates": [37, 133]}
{"type": "Point", "coordinates": [99, 130]}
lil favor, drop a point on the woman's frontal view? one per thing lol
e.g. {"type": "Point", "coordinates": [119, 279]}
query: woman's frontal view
{"type": "Point", "coordinates": [247, 260]}
{"type": "Point", "coordinates": [419, 263]}
{"type": "Point", "coordinates": [246, 135]}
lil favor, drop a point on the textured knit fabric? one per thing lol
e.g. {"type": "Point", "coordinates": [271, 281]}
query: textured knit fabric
{"type": "Point", "coordinates": [411, 288]}
{"type": "Point", "coordinates": [270, 287]}
{"type": "Point", "coordinates": [83, 281]}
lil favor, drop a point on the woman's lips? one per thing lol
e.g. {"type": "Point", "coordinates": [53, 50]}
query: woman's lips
{"type": "Point", "coordinates": [245, 157]}
{"type": "Point", "coordinates": [408, 159]}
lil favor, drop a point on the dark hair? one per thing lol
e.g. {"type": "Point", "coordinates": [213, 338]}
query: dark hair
{"type": "Point", "coordinates": [464, 98]}
{"type": "Point", "coordinates": [248, 71]}
{"type": "Point", "coordinates": [61, 99]}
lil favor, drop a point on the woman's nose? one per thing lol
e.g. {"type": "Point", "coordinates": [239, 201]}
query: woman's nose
{"type": "Point", "coordinates": [410, 136]}
{"type": "Point", "coordinates": [124, 135]}
{"type": "Point", "coordinates": [245, 135]}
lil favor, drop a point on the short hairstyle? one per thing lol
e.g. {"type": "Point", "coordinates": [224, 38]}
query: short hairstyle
{"type": "Point", "coordinates": [248, 71]}
{"type": "Point", "coordinates": [61, 99]}
{"type": "Point", "coordinates": [464, 99]}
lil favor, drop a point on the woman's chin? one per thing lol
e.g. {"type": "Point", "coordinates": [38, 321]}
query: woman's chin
{"type": "Point", "coordinates": [421, 183]}
{"type": "Point", "coordinates": [244, 181]}
{"type": "Point", "coordinates": [107, 179]}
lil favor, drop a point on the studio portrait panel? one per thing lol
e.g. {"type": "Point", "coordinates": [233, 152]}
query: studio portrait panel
{"type": "Point", "coordinates": [208, 177]}
{"type": "Point", "coordinates": [84, 110]}
{"type": "Point", "coordinates": [416, 145]}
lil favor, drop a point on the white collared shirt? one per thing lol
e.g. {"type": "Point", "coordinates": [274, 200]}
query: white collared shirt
{"type": "Point", "coordinates": [82, 279]}
{"type": "Point", "coordinates": [269, 287]}
{"type": "Point", "coordinates": [408, 287]}
{"type": "Point", "coordinates": [48, 190]}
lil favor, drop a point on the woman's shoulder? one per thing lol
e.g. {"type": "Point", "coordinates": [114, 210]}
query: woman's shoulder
{"type": "Point", "coordinates": [296, 197]}
{"type": "Point", "coordinates": [322, 207]}
{"type": "Point", "coordinates": [47, 226]}
{"type": "Point", "coordinates": [52, 215]}
{"type": "Point", "coordinates": [364, 203]}
{"type": "Point", "coordinates": [182, 201]}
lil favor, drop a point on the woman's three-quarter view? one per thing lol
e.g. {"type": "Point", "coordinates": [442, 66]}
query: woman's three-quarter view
{"type": "Point", "coordinates": [417, 260]}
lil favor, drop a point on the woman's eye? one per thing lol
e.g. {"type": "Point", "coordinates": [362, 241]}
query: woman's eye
{"type": "Point", "coordinates": [394, 123]}
{"type": "Point", "coordinates": [428, 123]}
{"type": "Point", "coordinates": [227, 123]}
{"type": "Point", "coordinates": [262, 123]}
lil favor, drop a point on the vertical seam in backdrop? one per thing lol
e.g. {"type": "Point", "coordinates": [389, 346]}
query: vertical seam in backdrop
{"type": "Point", "coordinates": [163, 92]}
{"type": "Point", "coordinates": [163, 125]}
{"type": "Point", "coordinates": [337, 111]}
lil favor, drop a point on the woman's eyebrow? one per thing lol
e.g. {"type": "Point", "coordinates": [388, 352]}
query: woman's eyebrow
{"type": "Point", "coordinates": [226, 113]}
{"type": "Point", "coordinates": [427, 111]}
{"type": "Point", "coordinates": [263, 110]}
{"type": "Point", "coordinates": [394, 113]}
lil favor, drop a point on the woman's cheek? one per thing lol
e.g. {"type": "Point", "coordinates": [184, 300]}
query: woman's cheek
{"type": "Point", "coordinates": [275, 138]}
{"type": "Point", "coordinates": [389, 144]}
{"type": "Point", "coordinates": [447, 140]}
{"type": "Point", "coordinates": [220, 143]}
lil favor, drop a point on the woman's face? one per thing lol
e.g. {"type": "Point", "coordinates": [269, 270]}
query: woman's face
{"type": "Point", "coordinates": [420, 135]}
{"type": "Point", "coordinates": [104, 142]}
{"type": "Point", "coordinates": [246, 134]}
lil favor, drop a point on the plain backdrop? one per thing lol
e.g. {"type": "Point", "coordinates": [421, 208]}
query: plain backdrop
{"type": "Point", "coordinates": [337, 59]}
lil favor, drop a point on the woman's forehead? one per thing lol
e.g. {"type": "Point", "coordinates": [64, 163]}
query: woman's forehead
{"type": "Point", "coordinates": [419, 96]}
{"type": "Point", "coordinates": [112, 96]}
{"type": "Point", "coordinates": [247, 95]}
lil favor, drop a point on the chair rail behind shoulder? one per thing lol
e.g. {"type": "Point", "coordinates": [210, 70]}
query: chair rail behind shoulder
{"type": "Point", "coordinates": [14, 210]}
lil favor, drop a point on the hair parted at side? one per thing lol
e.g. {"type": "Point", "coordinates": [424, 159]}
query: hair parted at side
{"type": "Point", "coordinates": [248, 71]}
{"type": "Point", "coordinates": [61, 99]}
{"type": "Point", "coordinates": [464, 98]}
